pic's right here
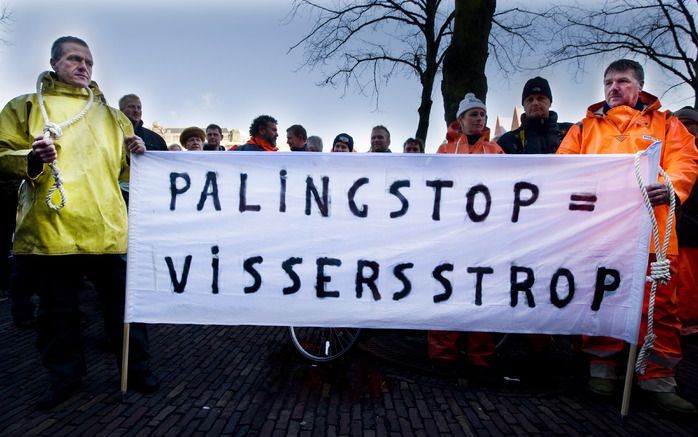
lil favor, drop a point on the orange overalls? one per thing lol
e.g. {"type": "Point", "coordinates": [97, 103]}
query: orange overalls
{"type": "Point", "coordinates": [627, 130]}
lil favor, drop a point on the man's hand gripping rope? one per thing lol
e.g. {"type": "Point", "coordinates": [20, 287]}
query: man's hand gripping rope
{"type": "Point", "coordinates": [51, 131]}
{"type": "Point", "coordinates": [48, 153]}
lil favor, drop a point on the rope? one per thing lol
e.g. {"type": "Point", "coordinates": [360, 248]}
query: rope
{"type": "Point", "coordinates": [659, 270]}
{"type": "Point", "coordinates": [51, 132]}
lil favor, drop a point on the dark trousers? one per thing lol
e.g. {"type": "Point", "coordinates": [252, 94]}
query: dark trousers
{"type": "Point", "coordinates": [8, 211]}
{"type": "Point", "coordinates": [58, 280]}
{"type": "Point", "coordinates": [22, 288]}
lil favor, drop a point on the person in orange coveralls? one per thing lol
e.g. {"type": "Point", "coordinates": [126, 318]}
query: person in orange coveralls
{"type": "Point", "coordinates": [466, 135]}
{"type": "Point", "coordinates": [629, 120]}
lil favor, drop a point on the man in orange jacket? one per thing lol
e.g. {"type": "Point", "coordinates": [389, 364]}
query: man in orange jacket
{"type": "Point", "coordinates": [629, 120]}
{"type": "Point", "coordinates": [263, 135]}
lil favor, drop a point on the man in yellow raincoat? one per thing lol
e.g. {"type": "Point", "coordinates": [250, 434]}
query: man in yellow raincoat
{"type": "Point", "coordinates": [67, 135]}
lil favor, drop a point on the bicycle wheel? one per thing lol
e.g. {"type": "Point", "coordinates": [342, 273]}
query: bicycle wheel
{"type": "Point", "coordinates": [323, 344]}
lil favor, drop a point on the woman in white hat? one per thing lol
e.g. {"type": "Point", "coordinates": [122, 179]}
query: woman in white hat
{"type": "Point", "coordinates": [468, 134]}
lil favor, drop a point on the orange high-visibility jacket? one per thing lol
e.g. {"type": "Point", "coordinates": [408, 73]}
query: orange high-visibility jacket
{"type": "Point", "coordinates": [458, 142]}
{"type": "Point", "coordinates": [627, 130]}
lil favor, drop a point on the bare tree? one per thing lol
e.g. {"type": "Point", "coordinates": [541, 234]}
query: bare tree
{"type": "Point", "coordinates": [480, 29]}
{"type": "Point", "coordinates": [663, 31]}
{"type": "Point", "coordinates": [364, 43]}
{"type": "Point", "coordinates": [466, 56]}
{"type": "Point", "coordinates": [367, 42]}
{"type": "Point", "coordinates": [5, 19]}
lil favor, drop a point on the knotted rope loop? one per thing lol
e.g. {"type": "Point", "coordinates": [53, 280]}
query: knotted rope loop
{"type": "Point", "coordinates": [659, 270]}
{"type": "Point", "coordinates": [53, 131]}
{"type": "Point", "coordinates": [57, 185]}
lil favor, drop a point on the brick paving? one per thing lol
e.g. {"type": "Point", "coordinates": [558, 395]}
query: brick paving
{"type": "Point", "coordinates": [244, 380]}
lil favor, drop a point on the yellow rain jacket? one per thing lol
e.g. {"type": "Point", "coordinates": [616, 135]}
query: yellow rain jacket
{"type": "Point", "coordinates": [92, 159]}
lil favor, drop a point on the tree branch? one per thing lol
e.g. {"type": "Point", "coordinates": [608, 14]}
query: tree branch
{"type": "Point", "coordinates": [663, 31]}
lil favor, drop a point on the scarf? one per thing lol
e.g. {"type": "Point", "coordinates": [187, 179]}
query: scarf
{"type": "Point", "coordinates": [263, 144]}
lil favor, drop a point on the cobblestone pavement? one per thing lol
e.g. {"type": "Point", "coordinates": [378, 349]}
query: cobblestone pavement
{"type": "Point", "coordinates": [244, 380]}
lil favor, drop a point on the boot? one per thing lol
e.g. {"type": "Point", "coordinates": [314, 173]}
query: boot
{"type": "Point", "coordinates": [601, 386]}
{"type": "Point", "coordinates": [57, 393]}
{"type": "Point", "coordinates": [671, 402]}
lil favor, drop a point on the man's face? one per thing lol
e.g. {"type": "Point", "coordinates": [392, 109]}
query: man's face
{"type": "Point", "coordinates": [269, 133]}
{"type": "Point", "coordinates": [294, 142]}
{"type": "Point", "coordinates": [194, 143]}
{"type": "Point", "coordinates": [537, 106]}
{"type": "Point", "coordinates": [340, 147]}
{"type": "Point", "coordinates": [213, 137]}
{"type": "Point", "coordinates": [133, 110]}
{"type": "Point", "coordinates": [412, 147]}
{"type": "Point", "coordinates": [379, 140]}
{"type": "Point", "coordinates": [74, 67]}
{"type": "Point", "coordinates": [621, 88]}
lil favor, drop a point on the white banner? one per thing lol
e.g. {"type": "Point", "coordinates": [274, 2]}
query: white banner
{"type": "Point", "coordinates": [528, 244]}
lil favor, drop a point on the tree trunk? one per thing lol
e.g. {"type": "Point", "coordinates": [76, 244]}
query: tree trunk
{"type": "Point", "coordinates": [466, 56]}
{"type": "Point", "coordinates": [431, 68]}
{"type": "Point", "coordinates": [424, 110]}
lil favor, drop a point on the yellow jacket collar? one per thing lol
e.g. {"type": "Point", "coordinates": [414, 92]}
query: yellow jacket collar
{"type": "Point", "coordinates": [54, 86]}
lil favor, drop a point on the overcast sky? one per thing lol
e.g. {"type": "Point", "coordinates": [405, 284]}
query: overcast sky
{"type": "Point", "coordinates": [225, 62]}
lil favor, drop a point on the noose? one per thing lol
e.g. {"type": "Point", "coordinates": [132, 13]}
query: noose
{"type": "Point", "coordinates": [659, 270]}
{"type": "Point", "coordinates": [51, 132]}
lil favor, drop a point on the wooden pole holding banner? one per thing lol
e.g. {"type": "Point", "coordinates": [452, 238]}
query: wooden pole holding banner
{"type": "Point", "coordinates": [124, 359]}
{"type": "Point", "coordinates": [627, 387]}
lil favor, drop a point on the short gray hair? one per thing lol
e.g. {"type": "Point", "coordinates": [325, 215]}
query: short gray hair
{"type": "Point", "coordinates": [315, 141]}
{"type": "Point", "coordinates": [122, 100]}
{"type": "Point", "coordinates": [57, 47]}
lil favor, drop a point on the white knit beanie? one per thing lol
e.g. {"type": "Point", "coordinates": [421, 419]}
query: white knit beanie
{"type": "Point", "coordinates": [469, 102]}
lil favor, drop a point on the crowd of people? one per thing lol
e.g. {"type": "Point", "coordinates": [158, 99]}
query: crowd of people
{"type": "Point", "coordinates": [64, 161]}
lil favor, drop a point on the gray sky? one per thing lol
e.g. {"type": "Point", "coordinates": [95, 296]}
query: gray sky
{"type": "Point", "coordinates": [225, 62]}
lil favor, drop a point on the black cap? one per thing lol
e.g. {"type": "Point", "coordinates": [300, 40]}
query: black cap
{"type": "Point", "coordinates": [346, 139]}
{"type": "Point", "coordinates": [537, 85]}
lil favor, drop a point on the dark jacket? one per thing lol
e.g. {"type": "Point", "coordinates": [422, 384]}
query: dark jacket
{"type": "Point", "coordinates": [152, 140]}
{"type": "Point", "coordinates": [535, 136]}
{"type": "Point", "coordinates": [303, 149]}
{"type": "Point", "coordinates": [688, 222]}
{"type": "Point", "coordinates": [248, 147]}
